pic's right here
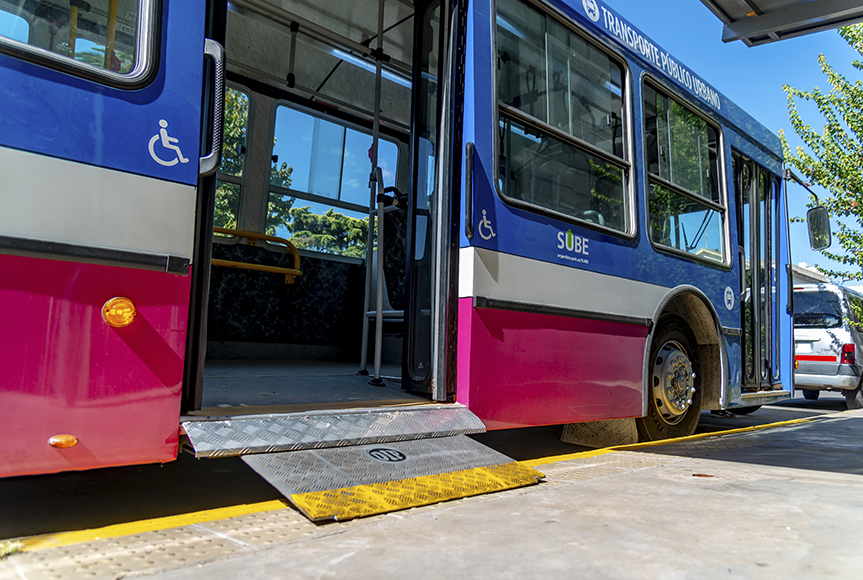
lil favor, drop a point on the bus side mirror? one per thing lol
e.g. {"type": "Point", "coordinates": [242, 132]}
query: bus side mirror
{"type": "Point", "coordinates": [819, 228]}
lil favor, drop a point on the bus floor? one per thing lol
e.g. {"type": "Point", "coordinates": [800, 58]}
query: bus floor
{"type": "Point", "coordinates": [252, 387]}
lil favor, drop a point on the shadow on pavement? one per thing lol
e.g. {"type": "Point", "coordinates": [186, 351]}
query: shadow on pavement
{"type": "Point", "coordinates": [85, 500]}
{"type": "Point", "coordinates": [91, 499]}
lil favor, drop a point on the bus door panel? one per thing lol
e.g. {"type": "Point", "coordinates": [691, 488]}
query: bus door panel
{"type": "Point", "coordinates": [757, 192]}
{"type": "Point", "coordinates": [430, 33]}
{"type": "Point", "coordinates": [99, 152]}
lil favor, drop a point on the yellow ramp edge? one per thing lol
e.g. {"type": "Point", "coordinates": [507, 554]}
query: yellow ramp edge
{"type": "Point", "coordinates": [379, 498]}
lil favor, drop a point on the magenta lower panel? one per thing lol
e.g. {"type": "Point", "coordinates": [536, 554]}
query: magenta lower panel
{"type": "Point", "coordinates": [518, 369]}
{"type": "Point", "coordinates": [65, 371]}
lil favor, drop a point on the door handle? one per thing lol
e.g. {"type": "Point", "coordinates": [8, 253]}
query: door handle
{"type": "Point", "coordinates": [208, 164]}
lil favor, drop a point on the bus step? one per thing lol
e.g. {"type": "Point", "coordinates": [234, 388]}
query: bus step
{"type": "Point", "coordinates": [241, 435]}
{"type": "Point", "coordinates": [342, 483]}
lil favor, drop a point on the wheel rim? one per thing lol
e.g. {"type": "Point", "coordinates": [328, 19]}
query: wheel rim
{"type": "Point", "coordinates": [673, 382]}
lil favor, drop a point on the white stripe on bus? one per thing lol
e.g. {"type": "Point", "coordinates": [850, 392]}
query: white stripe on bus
{"type": "Point", "coordinates": [504, 276]}
{"type": "Point", "coordinates": [56, 200]}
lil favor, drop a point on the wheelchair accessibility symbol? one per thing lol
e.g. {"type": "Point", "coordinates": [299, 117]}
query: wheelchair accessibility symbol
{"type": "Point", "coordinates": [485, 231]}
{"type": "Point", "coordinates": [169, 145]}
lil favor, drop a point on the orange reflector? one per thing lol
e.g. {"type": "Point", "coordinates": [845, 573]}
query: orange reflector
{"type": "Point", "coordinates": [63, 441]}
{"type": "Point", "coordinates": [119, 312]}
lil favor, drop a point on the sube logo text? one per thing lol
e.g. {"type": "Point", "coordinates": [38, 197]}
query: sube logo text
{"type": "Point", "coordinates": [572, 243]}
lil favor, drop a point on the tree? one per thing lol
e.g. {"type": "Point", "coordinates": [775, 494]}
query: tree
{"type": "Point", "coordinates": [332, 232]}
{"type": "Point", "coordinates": [834, 159]}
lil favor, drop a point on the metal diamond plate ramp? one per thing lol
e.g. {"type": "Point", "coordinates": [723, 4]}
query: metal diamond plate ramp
{"type": "Point", "coordinates": [226, 437]}
{"type": "Point", "coordinates": [348, 482]}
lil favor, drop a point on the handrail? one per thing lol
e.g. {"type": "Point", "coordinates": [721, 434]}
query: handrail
{"type": "Point", "coordinates": [290, 273]}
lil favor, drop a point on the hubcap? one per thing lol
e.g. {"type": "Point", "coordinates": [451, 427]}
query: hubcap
{"type": "Point", "coordinates": [673, 381]}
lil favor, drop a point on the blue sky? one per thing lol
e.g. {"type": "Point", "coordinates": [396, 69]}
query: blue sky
{"type": "Point", "coordinates": [751, 77]}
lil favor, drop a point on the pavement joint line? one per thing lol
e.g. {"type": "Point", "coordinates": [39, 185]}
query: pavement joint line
{"type": "Point", "coordinates": [59, 539]}
{"type": "Point", "coordinates": [226, 537]}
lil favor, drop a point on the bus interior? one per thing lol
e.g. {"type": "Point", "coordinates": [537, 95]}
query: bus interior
{"type": "Point", "coordinates": [303, 80]}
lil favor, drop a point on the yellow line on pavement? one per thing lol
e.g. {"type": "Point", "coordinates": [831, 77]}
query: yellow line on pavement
{"type": "Point", "coordinates": [45, 541]}
{"type": "Point", "coordinates": [567, 457]}
{"type": "Point", "coordinates": [636, 446]}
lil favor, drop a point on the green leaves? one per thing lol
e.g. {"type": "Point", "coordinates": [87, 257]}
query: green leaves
{"type": "Point", "coordinates": [833, 157]}
{"type": "Point", "coordinates": [332, 232]}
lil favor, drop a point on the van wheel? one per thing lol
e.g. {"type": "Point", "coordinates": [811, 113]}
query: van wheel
{"type": "Point", "coordinates": [674, 383]}
{"type": "Point", "coordinates": [811, 395]}
{"type": "Point", "coordinates": [854, 399]}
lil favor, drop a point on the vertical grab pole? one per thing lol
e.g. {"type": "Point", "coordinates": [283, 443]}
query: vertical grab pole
{"type": "Point", "coordinates": [375, 200]}
{"type": "Point", "coordinates": [112, 32]}
{"type": "Point", "coordinates": [73, 27]}
{"type": "Point", "coordinates": [379, 293]}
{"type": "Point", "coordinates": [365, 346]}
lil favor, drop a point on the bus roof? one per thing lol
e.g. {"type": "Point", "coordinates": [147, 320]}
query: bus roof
{"type": "Point", "coordinates": [638, 46]}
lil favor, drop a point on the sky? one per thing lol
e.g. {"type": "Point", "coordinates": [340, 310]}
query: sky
{"type": "Point", "coordinates": [751, 77]}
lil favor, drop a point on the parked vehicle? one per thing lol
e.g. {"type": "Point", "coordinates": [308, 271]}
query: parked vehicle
{"type": "Point", "coordinates": [827, 340]}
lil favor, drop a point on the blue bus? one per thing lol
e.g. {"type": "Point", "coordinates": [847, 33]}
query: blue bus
{"type": "Point", "coordinates": [511, 212]}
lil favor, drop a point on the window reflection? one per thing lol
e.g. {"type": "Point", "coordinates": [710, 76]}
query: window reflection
{"type": "Point", "coordinates": [549, 173]}
{"type": "Point", "coordinates": [94, 32]}
{"type": "Point", "coordinates": [681, 223]}
{"type": "Point", "coordinates": [681, 155]}
{"type": "Point", "coordinates": [574, 92]}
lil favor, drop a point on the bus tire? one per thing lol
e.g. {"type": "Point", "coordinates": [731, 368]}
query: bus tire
{"type": "Point", "coordinates": [674, 383]}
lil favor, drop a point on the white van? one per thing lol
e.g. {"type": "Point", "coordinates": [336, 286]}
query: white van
{"type": "Point", "coordinates": [828, 341]}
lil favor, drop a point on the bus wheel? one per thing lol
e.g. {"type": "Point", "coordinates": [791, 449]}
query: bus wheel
{"type": "Point", "coordinates": [674, 389]}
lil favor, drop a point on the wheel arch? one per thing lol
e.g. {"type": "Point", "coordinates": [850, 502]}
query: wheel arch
{"type": "Point", "coordinates": [696, 310]}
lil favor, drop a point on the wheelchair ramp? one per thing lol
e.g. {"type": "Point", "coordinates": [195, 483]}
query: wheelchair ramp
{"type": "Point", "coordinates": [349, 482]}
{"type": "Point", "coordinates": [348, 464]}
{"type": "Point", "coordinates": [241, 435]}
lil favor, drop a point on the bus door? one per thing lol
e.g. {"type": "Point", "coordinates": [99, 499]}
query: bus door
{"type": "Point", "coordinates": [100, 156]}
{"type": "Point", "coordinates": [757, 192]}
{"type": "Point", "coordinates": [426, 352]}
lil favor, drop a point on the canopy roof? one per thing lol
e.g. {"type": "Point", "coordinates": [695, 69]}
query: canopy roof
{"type": "Point", "coordinates": [762, 21]}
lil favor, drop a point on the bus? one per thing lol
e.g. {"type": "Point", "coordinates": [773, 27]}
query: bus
{"type": "Point", "coordinates": [287, 230]}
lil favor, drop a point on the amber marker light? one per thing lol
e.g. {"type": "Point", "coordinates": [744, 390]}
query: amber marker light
{"type": "Point", "coordinates": [119, 312]}
{"type": "Point", "coordinates": [63, 441]}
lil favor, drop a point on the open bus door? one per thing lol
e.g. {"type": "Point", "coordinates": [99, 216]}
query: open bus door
{"type": "Point", "coordinates": [99, 153]}
{"type": "Point", "coordinates": [369, 84]}
{"type": "Point", "coordinates": [760, 217]}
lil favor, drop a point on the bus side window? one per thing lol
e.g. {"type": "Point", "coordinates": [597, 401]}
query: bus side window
{"type": "Point", "coordinates": [229, 182]}
{"type": "Point", "coordinates": [561, 121]}
{"type": "Point", "coordinates": [684, 201]}
{"type": "Point", "coordinates": [14, 26]}
{"type": "Point", "coordinates": [319, 182]}
{"type": "Point", "coordinates": [88, 33]}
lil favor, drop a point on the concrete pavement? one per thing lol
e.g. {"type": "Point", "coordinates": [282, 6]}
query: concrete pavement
{"type": "Point", "coordinates": [784, 502]}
